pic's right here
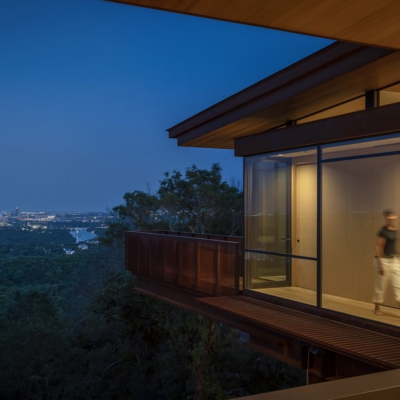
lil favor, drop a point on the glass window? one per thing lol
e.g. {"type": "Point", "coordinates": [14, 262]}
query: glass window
{"type": "Point", "coordinates": [280, 220]}
{"type": "Point", "coordinates": [353, 105]}
{"type": "Point", "coordinates": [267, 204]}
{"type": "Point", "coordinates": [389, 95]}
{"type": "Point", "coordinates": [359, 180]}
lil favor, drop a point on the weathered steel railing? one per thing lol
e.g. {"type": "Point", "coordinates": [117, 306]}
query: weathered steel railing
{"type": "Point", "coordinates": [208, 264]}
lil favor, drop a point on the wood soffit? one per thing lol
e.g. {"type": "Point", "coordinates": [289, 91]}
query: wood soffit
{"type": "Point", "coordinates": [334, 75]}
{"type": "Point", "coordinates": [368, 22]}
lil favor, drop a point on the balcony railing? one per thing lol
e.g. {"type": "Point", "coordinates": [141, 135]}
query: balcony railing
{"type": "Point", "coordinates": [205, 264]}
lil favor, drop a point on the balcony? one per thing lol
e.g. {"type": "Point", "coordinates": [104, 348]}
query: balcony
{"type": "Point", "coordinates": [205, 265]}
{"type": "Point", "coordinates": [204, 274]}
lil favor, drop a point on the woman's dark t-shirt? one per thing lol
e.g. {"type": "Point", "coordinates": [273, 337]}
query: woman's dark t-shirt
{"type": "Point", "coordinates": [390, 237]}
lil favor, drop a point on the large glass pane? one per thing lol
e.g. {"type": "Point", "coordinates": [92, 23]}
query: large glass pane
{"type": "Point", "coordinates": [362, 147]}
{"type": "Point", "coordinates": [280, 222]}
{"type": "Point", "coordinates": [389, 95]}
{"type": "Point", "coordinates": [270, 274]}
{"type": "Point", "coordinates": [266, 270]}
{"type": "Point", "coordinates": [356, 189]}
{"type": "Point", "coordinates": [281, 203]}
{"type": "Point", "coordinates": [267, 220]}
{"type": "Point", "coordinates": [353, 105]}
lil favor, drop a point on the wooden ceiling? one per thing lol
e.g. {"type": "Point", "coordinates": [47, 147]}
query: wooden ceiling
{"type": "Point", "coordinates": [369, 22]}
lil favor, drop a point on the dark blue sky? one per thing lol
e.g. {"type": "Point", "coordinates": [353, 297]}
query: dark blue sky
{"type": "Point", "coordinates": [88, 88]}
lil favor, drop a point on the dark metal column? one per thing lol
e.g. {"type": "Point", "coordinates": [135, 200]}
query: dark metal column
{"type": "Point", "coordinates": [319, 227]}
{"type": "Point", "coordinates": [371, 99]}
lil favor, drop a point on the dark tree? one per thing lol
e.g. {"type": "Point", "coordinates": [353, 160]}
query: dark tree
{"type": "Point", "coordinates": [198, 202]}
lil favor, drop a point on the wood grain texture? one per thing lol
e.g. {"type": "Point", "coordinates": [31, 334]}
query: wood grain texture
{"type": "Point", "coordinates": [336, 303]}
{"type": "Point", "coordinates": [302, 96]}
{"type": "Point", "coordinates": [304, 227]}
{"type": "Point", "coordinates": [367, 22]}
{"type": "Point", "coordinates": [354, 194]}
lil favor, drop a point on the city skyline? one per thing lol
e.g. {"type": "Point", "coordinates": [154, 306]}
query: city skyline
{"type": "Point", "coordinates": [89, 89]}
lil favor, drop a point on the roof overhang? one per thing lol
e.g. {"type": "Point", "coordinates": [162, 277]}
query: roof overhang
{"type": "Point", "coordinates": [332, 76]}
{"type": "Point", "coordinates": [368, 22]}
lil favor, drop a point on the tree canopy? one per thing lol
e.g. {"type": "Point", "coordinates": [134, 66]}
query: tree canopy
{"type": "Point", "coordinates": [199, 201]}
{"type": "Point", "coordinates": [73, 327]}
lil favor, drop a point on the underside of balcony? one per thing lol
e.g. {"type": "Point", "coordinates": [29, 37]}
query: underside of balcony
{"type": "Point", "coordinates": [203, 274]}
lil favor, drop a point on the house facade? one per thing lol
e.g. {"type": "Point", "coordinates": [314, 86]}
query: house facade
{"type": "Point", "coordinates": [320, 142]}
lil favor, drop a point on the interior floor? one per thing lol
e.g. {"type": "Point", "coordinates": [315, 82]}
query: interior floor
{"type": "Point", "coordinates": [341, 304]}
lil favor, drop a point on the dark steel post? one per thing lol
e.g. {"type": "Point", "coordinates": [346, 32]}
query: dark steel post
{"type": "Point", "coordinates": [216, 268]}
{"type": "Point", "coordinates": [197, 266]}
{"type": "Point", "coordinates": [236, 268]}
{"type": "Point", "coordinates": [319, 227]}
{"type": "Point", "coordinates": [371, 99]}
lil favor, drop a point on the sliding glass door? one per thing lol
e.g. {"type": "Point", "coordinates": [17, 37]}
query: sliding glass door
{"type": "Point", "coordinates": [268, 222]}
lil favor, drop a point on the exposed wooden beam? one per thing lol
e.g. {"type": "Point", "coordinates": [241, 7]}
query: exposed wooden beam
{"type": "Point", "coordinates": [371, 122]}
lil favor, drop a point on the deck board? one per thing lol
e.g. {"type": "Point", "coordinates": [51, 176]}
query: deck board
{"type": "Point", "coordinates": [365, 345]}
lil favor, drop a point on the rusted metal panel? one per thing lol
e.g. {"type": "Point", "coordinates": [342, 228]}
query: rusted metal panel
{"type": "Point", "coordinates": [156, 257]}
{"type": "Point", "coordinates": [207, 264]}
{"type": "Point", "coordinates": [188, 262]}
{"type": "Point", "coordinates": [144, 244]}
{"type": "Point", "coordinates": [171, 260]}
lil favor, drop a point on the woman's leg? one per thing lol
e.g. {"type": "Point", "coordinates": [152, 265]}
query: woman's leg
{"type": "Point", "coordinates": [395, 278]}
{"type": "Point", "coordinates": [380, 285]}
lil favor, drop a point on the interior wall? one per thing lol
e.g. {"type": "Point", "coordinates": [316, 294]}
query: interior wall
{"type": "Point", "coordinates": [304, 229]}
{"type": "Point", "coordinates": [354, 194]}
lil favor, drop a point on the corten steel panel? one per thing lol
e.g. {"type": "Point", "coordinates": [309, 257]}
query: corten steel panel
{"type": "Point", "coordinates": [371, 122]}
{"type": "Point", "coordinates": [171, 260]}
{"type": "Point", "coordinates": [370, 22]}
{"type": "Point", "coordinates": [144, 255]}
{"type": "Point", "coordinates": [191, 261]}
{"type": "Point", "coordinates": [157, 257]}
{"type": "Point", "coordinates": [367, 346]}
{"type": "Point", "coordinates": [208, 267]}
{"type": "Point", "coordinates": [188, 263]}
{"type": "Point", "coordinates": [227, 259]}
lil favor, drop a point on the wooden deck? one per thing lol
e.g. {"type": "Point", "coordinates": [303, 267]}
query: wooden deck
{"type": "Point", "coordinates": [335, 303]}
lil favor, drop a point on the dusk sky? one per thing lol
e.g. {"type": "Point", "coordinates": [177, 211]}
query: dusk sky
{"type": "Point", "coordinates": [88, 89]}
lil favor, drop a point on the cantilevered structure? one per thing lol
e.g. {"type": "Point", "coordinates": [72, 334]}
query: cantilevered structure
{"type": "Point", "coordinates": [320, 142]}
{"type": "Point", "coordinates": [367, 22]}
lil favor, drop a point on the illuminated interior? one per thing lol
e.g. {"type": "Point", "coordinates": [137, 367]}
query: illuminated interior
{"type": "Point", "coordinates": [358, 180]}
{"type": "Point", "coordinates": [389, 95]}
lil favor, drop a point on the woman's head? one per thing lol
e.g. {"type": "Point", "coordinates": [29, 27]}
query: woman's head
{"type": "Point", "coordinates": [390, 216]}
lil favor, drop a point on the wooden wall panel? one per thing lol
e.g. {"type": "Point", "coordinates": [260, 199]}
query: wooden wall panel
{"type": "Point", "coordinates": [304, 230]}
